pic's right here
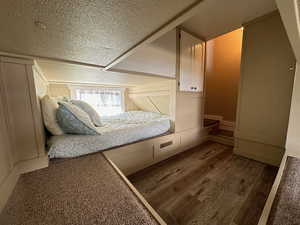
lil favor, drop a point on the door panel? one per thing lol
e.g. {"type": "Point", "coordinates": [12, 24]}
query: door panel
{"type": "Point", "coordinates": [267, 81]}
{"type": "Point", "coordinates": [21, 123]}
{"type": "Point", "coordinates": [191, 63]}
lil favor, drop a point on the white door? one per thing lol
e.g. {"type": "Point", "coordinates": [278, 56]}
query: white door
{"type": "Point", "coordinates": [191, 63]}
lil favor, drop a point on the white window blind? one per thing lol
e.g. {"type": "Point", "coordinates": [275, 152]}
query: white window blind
{"type": "Point", "coordinates": [106, 101]}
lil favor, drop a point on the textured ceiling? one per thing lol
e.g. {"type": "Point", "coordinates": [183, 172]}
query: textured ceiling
{"type": "Point", "coordinates": [217, 17]}
{"type": "Point", "coordinates": [90, 31]}
{"type": "Point", "coordinates": [65, 72]}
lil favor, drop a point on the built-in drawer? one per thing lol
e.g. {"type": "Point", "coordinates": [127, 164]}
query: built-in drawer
{"type": "Point", "coordinates": [166, 146]}
{"type": "Point", "coordinates": [133, 157]}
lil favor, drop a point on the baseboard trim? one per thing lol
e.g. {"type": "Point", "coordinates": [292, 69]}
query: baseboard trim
{"type": "Point", "coordinates": [227, 125]}
{"type": "Point", "coordinates": [265, 153]}
{"type": "Point", "coordinates": [213, 117]}
{"type": "Point", "coordinates": [33, 164]}
{"type": "Point", "coordinates": [7, 186]}
{"type": "Point", "coordinates": [224, 124]}
{"type": "Point", "coordinates": [136, 193]}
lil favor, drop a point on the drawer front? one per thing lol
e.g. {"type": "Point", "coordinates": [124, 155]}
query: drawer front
{"type": "Point", "coordinates": [166, 147]}
{"type": "Point", "coordinates": [131, 158]}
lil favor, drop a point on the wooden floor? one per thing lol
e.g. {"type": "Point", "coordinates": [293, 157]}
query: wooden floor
{"type": "Point", "coordinates": [207, 185]}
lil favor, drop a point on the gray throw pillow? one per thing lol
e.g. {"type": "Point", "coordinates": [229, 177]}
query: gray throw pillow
{"type": "Point", "coordinates": [89, 110]}
{"type": "Point", "coordinates": [73, 120]}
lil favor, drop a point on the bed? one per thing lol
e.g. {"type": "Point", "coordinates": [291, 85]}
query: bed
{"type": "Point", "coordinates": [117, 130]}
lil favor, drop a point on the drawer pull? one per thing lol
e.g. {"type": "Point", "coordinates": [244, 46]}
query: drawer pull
{"type": "Point", "coordinates": [163, 145]}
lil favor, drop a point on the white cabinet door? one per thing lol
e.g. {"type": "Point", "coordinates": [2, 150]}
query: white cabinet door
{"type": "Point", "coordinates": [191, 63]}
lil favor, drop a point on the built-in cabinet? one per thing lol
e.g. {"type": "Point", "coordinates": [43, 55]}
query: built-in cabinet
{"type": "Point", "coordinates": [21, 108]}
{"type": "Point", "coordinates": [134, 157]}
{"type": "Point", "coordinates": [22, 148]}
{"type": "Point", "coordinates": [191, 70]}
{"type": "Point", "coordinates": [266, 84]}
{"type": "Point", "coordinates": [176, 49]}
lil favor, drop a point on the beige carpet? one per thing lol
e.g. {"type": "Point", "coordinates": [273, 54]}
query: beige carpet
{"type": "Point", "coordinates": [286, 207]}
{"type": "Point", "coordinates": [81, 191]}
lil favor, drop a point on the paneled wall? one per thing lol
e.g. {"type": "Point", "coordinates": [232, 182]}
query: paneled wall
{"type": "Point", "coordinates": [157, 97]}
{"type": "Point", "coordinates": [62, 89]}
{"type": "Point", "coordinates": [41, 83]}
{"type": "Point", "coordinates": [56, 90]}
{"type": "Point", "coordinates": [267, 77]}
{"type": "Point", "coordinates": [8, 173]}
{"type": "Point", "coordinates": [22, 146]}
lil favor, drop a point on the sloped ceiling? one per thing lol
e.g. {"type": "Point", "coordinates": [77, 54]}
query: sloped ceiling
{"type": "Point", "coordinates": [72, 73]}
{"type": "Point", "coordinates": [217, 17]}
{"type": "Point", "coordinates": [89, 31]}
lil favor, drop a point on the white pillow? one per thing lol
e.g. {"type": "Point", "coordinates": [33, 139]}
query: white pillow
{"type": "Point", "coordinates": [89, 110]}
{"type": "Point", "coordinates": [49, 108]}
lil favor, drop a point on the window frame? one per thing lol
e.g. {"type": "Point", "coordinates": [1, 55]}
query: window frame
{"type": "Point", "coordinates": [73, 89]}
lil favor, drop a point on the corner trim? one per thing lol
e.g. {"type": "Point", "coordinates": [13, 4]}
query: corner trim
{"type": "Point", "coordinates": [32, 164]}
{"type": "Point", "coordinates": [136, 192]}
{"type": "Point", "coordinates": [224, 124]}
{"type": "Point", "coordinates": [7, 186]}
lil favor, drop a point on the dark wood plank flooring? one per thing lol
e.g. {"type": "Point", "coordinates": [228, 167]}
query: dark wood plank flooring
{"type": "Point", "coordinates": [207, 185]}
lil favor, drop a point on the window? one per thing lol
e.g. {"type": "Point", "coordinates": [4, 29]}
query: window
{"type": "Point", "coordinates": [106, 101]}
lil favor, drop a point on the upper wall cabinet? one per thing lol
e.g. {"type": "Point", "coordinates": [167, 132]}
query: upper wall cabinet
{"type": "Point", "coordinates": [157, 58]}
{"type": "Point", "coordinates": [192, 51]}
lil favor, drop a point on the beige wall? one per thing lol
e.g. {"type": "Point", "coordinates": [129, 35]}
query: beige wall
{"type": "Point", "coordinates": [223, 59]}
{"type": "Point", "coordinates": [22, 148]}
{"type": "Point", "coordinates": [40, 82]}
{"type": "Point", "coordinates": [159, 97]}
{"type": "Point", "coordinates": [62, 89]}
{"type": "Point", "coordinates": [288, 12]}
{"type": "Point", "coordinates": [265, 90]}
{"type": "Point", "coordinates": [293, 135]}
{"type": "Point", "coordinates": [56, 90]}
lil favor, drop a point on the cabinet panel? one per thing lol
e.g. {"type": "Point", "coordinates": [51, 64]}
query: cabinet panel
{"type": "Point", "coordinates": [189, 111]}
{"type": "Point", "coordinates": [157, 58]}
{"type": "Point", "coordinates": [19, 109]}
{"type": "Point", "coordinates": [191, 63]}
{"type": "Point", "coordinates": [132, 158]}
{"type": "Point", "coordinates": [166, 146]}
{"type": "Point", "coordinates": [266, 85]}
{"type": "Point", "coordinates": [190, 139]}
{"type": "Point", "coordinates": [6, 160]}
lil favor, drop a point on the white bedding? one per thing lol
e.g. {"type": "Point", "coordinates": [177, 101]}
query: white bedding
{"type": "Point", "coordinates": [117, 130]}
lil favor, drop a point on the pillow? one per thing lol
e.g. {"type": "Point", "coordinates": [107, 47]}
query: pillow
{"type": "Point", "coordinates": [49, 108]}
{"type": "Point", "coordinates": [74, 120]}
{"type": "Point", "coordinates": [89, 110]}
{"type": "Point", "coordinates": [61, 98]}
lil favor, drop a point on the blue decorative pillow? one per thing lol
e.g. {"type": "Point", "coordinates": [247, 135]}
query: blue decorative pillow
{"type": "Point", "coordinates": [89, 110]}
{"type": "Point", "coordinates": [73, 120]}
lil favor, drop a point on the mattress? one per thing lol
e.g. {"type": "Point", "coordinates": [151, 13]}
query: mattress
{"type": "Point", "coordinates": [117, 130]}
